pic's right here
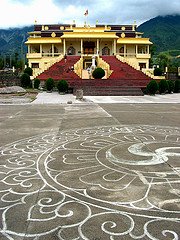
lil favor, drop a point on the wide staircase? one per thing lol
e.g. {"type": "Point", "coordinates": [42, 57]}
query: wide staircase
{"type": "Point", "coordinates": [61, 70]}
{"type": "Point", "coordinates": [123, 81]}
{"type": "Point", "coordinates": [123, 71]}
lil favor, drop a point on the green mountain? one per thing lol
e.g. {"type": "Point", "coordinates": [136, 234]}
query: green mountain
{"type": "Point", "coordinates": [164, 32]}
{"type": "Point", "coordinates": [12, 40]}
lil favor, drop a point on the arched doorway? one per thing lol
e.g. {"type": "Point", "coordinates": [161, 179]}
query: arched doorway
{"type": "Point", "coordinates": [55, 49]}
{"type": "Point", "coordinates": [121, 51]}
{"type": "Point", "coordinates": [105, 51]}
{"type": "Point", "coordinates": [71, 51]}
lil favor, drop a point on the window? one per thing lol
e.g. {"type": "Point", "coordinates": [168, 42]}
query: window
{"type": "Point", "coordinates": [142, 49]}
{"type": "Point", "coordinates": [35, 65]}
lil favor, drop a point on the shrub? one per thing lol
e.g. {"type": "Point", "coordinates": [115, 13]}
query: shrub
{"type": "Point", "coordinates": [36, 83]}
{"type": "Point", "coordinates": [62, 86]}
{"type": "Point", "coordinates": [152, 87]}
{"type": "Point", "coordinates": [170, 86]}
{"type": "Point", "coordinates": [163, 86]}
{"type": "Point", "coordinates": [177, 86]}
{"type": "Point", "coordinates": [25, 80]}
{"type": "Point", "coordinates": [98, 73]}
{"type": "Point", "coordinates": [29, 71]}
{"type": "Point", "coordinates": [158, 72]}
{"type": "Point", "coordinates": [49, 84]}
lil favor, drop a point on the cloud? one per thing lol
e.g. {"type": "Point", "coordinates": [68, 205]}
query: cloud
{"type": "Point", "coordinates": [15, 13]}
{"type": "Point", "coordinates": [22, 13]}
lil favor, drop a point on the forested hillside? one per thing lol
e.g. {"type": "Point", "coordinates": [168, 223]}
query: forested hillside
{"type": "Point", "coordinates": [164, 32]}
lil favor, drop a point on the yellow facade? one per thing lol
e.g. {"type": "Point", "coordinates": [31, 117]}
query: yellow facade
{"type": "Point", "coordinates": [49, 44]}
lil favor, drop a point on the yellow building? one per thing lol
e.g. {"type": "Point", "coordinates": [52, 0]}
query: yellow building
{"type": "Point", "coordinates": [48, 44]}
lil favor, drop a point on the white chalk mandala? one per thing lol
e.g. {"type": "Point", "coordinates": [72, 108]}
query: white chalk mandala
{"type": "Point", "coordinates": [112, 182]}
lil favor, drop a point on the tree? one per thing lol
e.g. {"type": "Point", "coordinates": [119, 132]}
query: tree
{"type": "Point", "coordinates": [29, 71]}
{"type": "Point", "coordinates": [1, 63]}
{"type": "Point", "coordinates": [153, 50]}
{"type": "Point", "coordinates": [36, 83]}
{"type": "Point", "coordinates": [20, 64]}
{"type": "Point", "coordinates": [49, 84]}
{"type": "Point", "coordinates": [25, 80]}
{"type": "Point", "coordinates": [152, 87]}
{"type": "Point", "coordinates": [98, 73]}
{"type": "Point", "coordinates": [62, 86]}
{"type": "Point", "coordinates": [170, 86]}
{"type": "Point", "coordinates": [177, 86]}
{"type": "Point", "coordinates": [163, 60]}
{"type": "Point", "coordinates": [163, 86]}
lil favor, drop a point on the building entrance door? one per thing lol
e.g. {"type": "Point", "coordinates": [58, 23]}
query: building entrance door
{"type": "Point", "coordinates": [88, 47]}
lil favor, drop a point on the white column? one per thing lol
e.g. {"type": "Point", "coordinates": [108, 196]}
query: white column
{"type": "Point", "coordinates": [124, 50]}
{"type": "Point", "coordinates": [114, 46]}
{"type": "Point", "coordinates": [40, 48]}
{"type": "Point", "coordinates": [29, 49]}
{"type": "Point", "coordinates": [147, 64]}
{"type": "Point", "coordinates": [52, 50]}
{"type": "Point", "coordinates": [148, 49]}
{"type": "Point", "coordinates": [97, 46]}
{"type": "Point", "coordinates": [136, 49]}
{"type": "Point", "coordinates": [81, 46]}
{"type": "Point", "coordinates": [64, 45]}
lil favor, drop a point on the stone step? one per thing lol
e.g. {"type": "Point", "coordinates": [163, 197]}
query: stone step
{"type": "Point", "coordinates": [112, 91]}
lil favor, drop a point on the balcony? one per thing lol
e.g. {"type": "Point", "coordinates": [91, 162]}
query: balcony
{"type": "Point", "coordinates": [51, 54]}
{"type": "Point", "coordinates": [134, 55]}
{"type": "Point", "coordinates": [129, 55]}
{"type": "Point", "coordinates": [143, 55]}
{"type": "Point", "coordinates": [40, 55]}
{"type": "Point", "coordinates": [34, 55]}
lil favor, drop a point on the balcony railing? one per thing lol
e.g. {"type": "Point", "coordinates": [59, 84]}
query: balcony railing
{"type": "Point", "coordinates": [138, 55]}
{"type": "Point", "coordinates": [40, 55]}
{"type": "Point", "coordinates": [51, 54]}
{"type": "Point", "coordinates": [127, 54]}
{"type": "Point", "coordinates": [34, 55]}
{"type": "Point", "coordinates": [143, 55]}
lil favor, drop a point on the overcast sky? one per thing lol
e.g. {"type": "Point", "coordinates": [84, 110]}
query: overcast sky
{"type": "Point", "coordinates": [16, 13]}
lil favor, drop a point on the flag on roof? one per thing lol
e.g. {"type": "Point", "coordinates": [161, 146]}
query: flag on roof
{"type": "Point", "coordinates": [86, 13]}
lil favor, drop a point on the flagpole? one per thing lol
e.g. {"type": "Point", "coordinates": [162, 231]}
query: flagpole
{"type": "Point", "coordinates": [86, 17]}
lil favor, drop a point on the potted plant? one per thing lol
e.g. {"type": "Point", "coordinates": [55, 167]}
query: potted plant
{"type": "Point", "coordinates": [152, 87]}
{"type": "Point", "coordinates": [62, 86]}
{"type": "Point", "coordinates": [25, 80]}
{"type": "Point", "coordinates": [163, 86]}
{"type": "Point", "coordinates": [36, 83]}
{"type": "Point", "coordinates": [98, 73]}
{"type": "Point", "coordinates": [49, 84]}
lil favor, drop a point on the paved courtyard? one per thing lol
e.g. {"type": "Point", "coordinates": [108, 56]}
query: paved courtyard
{"type": "Point", "coordinates": [90, 171]}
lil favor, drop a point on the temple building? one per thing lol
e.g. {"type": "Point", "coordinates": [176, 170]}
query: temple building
{"type": "Point", "coordinates": [83, 46]}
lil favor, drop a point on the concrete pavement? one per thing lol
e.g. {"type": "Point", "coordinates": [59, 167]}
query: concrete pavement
{"type": "Point", "coordinates": [56, 98]}
{"type": "Point", "coordinates": [167, 98]}
{"type": "Point", "coordinates": [90, 171]}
